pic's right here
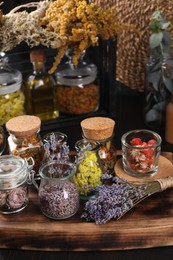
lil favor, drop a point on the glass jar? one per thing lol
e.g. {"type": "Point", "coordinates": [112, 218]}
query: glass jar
{"type": "Point", "coordinates": [77, 91]}
{"type": "Point", "coordinates": [58, 195]}
{"type": "Point", "coordinates": [14, 173]}
{"type": "Point", "coordinates": [55, 146]}
{"type": "Point", "coordinates": [11, 95]}
{"type": "Point", "coordinates": [140, 152]}
{"type": "Point", "coordinates": [89, 168]}
{"type": "Point", "coordinates": [24, 139]}
{"type": "Point", "coordinates": [101, 130]}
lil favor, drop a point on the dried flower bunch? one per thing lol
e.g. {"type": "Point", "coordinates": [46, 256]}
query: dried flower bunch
{"type": "Point", "coordinates": [58, 24]}
{"type": "Point", "coordinates": [112, 201]}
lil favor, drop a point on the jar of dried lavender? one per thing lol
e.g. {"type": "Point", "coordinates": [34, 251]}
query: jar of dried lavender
{"type": "Point", "coordinates": [58, 195]}
{"type": "Point", "coordinates": [14, 178]}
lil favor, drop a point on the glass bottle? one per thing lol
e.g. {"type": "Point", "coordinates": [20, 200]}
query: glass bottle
{"type": "Point", "coordinates": [55, 146]}
{"type": "Point", "coordinates": [11, 95]}
{"type": "Point", "coordinates": [58, 195]}
{"type": "Point", "coordinates": [40, 89]}
{"type": "Point", "coordinates": [14, 176]}
{"type": "Point", "coordinates": [78, 90]}
{"type": "Point", "coordinates": [24, 139]}
{"type": "Point", "coordinates": [89, 168]}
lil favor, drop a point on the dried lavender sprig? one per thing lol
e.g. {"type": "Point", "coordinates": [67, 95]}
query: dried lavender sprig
{"type": "Point", "coordinates": [112, 201]}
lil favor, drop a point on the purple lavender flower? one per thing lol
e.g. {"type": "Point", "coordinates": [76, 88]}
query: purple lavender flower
{"type": "Point", "coordinates": [111, 201]}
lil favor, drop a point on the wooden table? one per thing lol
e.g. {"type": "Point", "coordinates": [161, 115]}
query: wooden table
{"type": "Point", "coordinates": [148, 225]}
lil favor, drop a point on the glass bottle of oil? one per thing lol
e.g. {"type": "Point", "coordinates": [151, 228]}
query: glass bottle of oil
{"type": "Point", "coordinates": [40, 89]}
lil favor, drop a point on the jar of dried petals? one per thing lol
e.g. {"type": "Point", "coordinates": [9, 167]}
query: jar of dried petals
{"type": "Point", "coordinates": [58, 195]}
{"type": "Point", "coordinates": [24, 139]}
{"type": "Point", "coordinates": [14, 177]}
{"type": "Point", "coordinates": [101, 129]}
{"type": "Point", "coordinates": [78, 90]}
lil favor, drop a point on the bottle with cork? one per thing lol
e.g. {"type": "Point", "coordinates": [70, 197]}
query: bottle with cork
{"type": "Point", "coordinates": [24, 139]}
{"type": "Point", "coordinates": [101, 129]}
{"type": "Point", "coordinates": [40, 87]}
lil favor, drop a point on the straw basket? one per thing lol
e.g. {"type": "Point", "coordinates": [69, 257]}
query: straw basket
{"type": "Point", "coordinates": [132, 50]}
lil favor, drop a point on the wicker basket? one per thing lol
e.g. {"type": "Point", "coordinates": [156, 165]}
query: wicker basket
{"type": "Point", "coordinates": [132, 50]}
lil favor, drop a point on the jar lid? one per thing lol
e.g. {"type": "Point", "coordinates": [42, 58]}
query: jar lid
{"type": "Point", "coordinates": [10, 78]}
{"type": "Point", "coordinates": [13, 171]}
{"type": "Point", "coordinates": [24, 125]}
{"type": "Point", "coordinates": [97, 128]}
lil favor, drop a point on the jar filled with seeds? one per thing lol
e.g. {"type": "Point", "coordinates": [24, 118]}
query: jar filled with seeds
{"type": "Point", "coordinates": [11, 95]}
{"type": "Point", "coordinates": [58, 195]}
{"type": "Point", "coordinates": [101, 129]}
{"type": "Point", "coordinates": [24, 139]}
{"type": "Point", "coordinates": [89, 168]}
{"type": "Point", "coordinates": [78, 91]}
{"type": "Point", "coordinates": [14, 175]}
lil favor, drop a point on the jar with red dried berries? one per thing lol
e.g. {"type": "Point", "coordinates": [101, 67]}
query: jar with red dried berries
{"type": "Point", "coordinates": [58, 195]}
{"type": "Point", "coordinates": [141, 152]}
{"type": "Point", "coordinates": [14, 179]}
{"type": "Point", "coordinates": [24, 139]}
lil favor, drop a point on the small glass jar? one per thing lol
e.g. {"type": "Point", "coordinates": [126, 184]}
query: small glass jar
{"type": "Point", "coordinates": [24, 139]}
{"type": "Point", "coordinates": [58, 195]}
{"type": "Point", "coordinates": [55, 146]}
{"type": "Point", "coordinates": [101, 130]}
{"type": "Point", "coordinates": [11, 95]}
{"type": "Point", "coordinates": [14, 173]}
{"type": "Point", "coordinates": [78, 91]}
{"type": "Point", "coordinates": [140, 152]}
{"type": "Point", "coordinates": [89, 170]}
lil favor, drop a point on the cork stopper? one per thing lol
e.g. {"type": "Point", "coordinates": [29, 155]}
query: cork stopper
{"type": "Point", "coordinates": [97, 128]}
{"type": "Point", "coordinates": [37, 56]}
{"type": "Point", "coordinates": [24, 125]}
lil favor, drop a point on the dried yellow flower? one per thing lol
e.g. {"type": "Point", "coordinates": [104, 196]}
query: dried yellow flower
{"type": "Point", "coordinates": [59, 24]}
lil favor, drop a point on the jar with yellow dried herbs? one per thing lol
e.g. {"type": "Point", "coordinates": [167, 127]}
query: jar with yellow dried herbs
{"type": "Point", "coordinates": [89, 168]}
{"type": "Point", "coordinates": [24, 139]}
{"type": "Point", "coordinates": [11, 95]}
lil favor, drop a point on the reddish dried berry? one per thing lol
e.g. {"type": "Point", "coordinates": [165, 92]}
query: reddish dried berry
{"type": "Point", "coordinates": [136, 141]}
{"type": "Point", "coordinates": [151, 142]}
{"type": "Point", "coordinates": [149, 153]}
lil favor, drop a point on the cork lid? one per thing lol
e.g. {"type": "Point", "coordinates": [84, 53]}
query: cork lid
{"type": "Point", "coordinates": [24, 125]}
{"type": "Point", "coordinates": [97, 128]}
{"type": "Point", "coordinates": [37, 56]}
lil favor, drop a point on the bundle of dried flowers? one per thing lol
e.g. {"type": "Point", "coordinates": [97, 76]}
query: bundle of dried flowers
{"type": "Point", "coordinates": [58, 24]}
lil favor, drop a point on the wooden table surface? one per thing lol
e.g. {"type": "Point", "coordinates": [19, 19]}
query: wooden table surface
{"type": "Point", "coordinates": [147, 225]}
